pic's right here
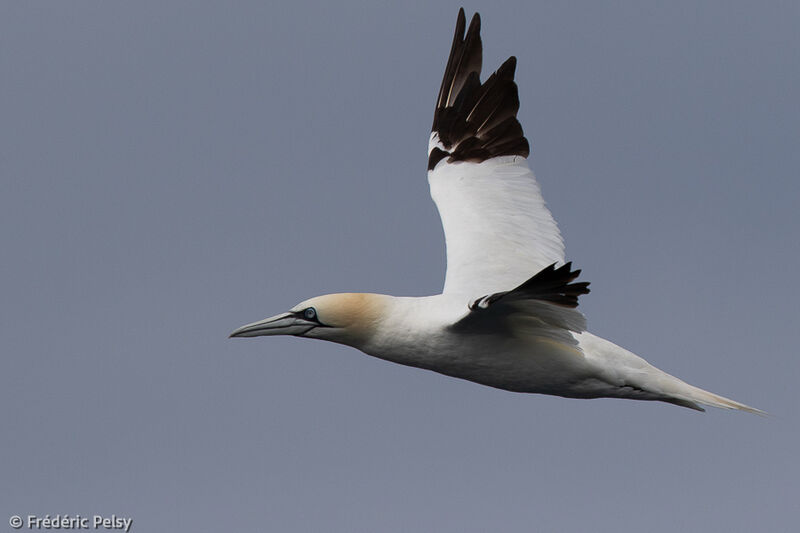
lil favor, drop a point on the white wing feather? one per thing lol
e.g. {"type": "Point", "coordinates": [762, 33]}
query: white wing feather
{"type": "Point", "coordinates": [497, 228]}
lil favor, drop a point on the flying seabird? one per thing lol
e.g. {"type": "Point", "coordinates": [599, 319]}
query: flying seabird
{"type": "Point", "coordinates": [507, 316]}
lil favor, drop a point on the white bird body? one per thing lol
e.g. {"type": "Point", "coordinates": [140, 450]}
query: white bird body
{"type": "Point", "coordinates": [418, 332]}
{"type": "Point", "coordinates": [521, 356]}
{"type": "Point", "coordinates": [507, 316]}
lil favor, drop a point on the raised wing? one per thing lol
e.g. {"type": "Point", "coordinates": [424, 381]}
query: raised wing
{"type": "Point", "coordinates": [497, 228]}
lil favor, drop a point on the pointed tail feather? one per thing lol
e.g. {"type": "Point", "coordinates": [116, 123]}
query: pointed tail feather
{"type": "Point", "coordinates": [642, 381]}
{"type": "Point", "coordinates": [689, 396]}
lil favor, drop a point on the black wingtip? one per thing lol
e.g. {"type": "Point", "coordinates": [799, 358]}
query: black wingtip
{"type": "Point", "coordinates": [461, 23]}
{"type": "Point", "coordinates": [468, 112]}
{"type": "Point", "coordinates": [508, 68]}
{"type": "Point", "coordinates": [555, 285]}
{"type": "Point", "coordinates": [474, 24]}
{"type": "Point", "coordinates": [550, 284]}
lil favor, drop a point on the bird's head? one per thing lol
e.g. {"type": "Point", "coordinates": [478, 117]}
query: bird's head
{"type": "Point", "coordinates": [348, 318]}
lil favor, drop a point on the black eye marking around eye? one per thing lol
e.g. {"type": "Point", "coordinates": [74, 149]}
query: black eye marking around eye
{"type": "Point", "coordinates": [310, 314]}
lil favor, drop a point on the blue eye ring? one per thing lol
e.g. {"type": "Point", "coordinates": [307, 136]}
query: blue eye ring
{"type": "Point", "coordinates": [310, 313]}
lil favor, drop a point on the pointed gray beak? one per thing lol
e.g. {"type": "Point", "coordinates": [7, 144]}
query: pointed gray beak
{"type": "Point", "coordinates": [283, 324]}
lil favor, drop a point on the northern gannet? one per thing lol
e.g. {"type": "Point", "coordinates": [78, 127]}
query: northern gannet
{"type": "Point", "coordinates": [507, 316]}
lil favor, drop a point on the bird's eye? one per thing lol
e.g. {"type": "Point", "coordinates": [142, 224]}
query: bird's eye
{"type": "Point", "coordinates": [310, 313]}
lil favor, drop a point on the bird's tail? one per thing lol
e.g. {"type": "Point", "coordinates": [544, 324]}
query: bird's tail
{"type": "Point", "coordinates": [681, 393]}
{"type": "Point", "coordinates": [643, 381]}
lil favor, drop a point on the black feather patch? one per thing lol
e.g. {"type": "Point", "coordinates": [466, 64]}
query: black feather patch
{"type": "Point", "coordinates": [550, 284]}
{"type": "Point", "coordinates": [475, 121]}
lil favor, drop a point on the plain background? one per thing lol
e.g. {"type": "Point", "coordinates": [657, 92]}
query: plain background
{"type": "Point", "coordinates": [171, 171]}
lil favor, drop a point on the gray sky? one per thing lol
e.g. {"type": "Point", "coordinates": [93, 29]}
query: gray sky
{"type": "Point", "coordinates": [171, 171]}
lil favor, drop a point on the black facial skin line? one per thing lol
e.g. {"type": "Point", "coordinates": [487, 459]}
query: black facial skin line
{"type": "Point", "coordinates": [302, 314]}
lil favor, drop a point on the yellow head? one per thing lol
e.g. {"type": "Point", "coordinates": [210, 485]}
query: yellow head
{"type": "Point", "coordinates": [347, 318]}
